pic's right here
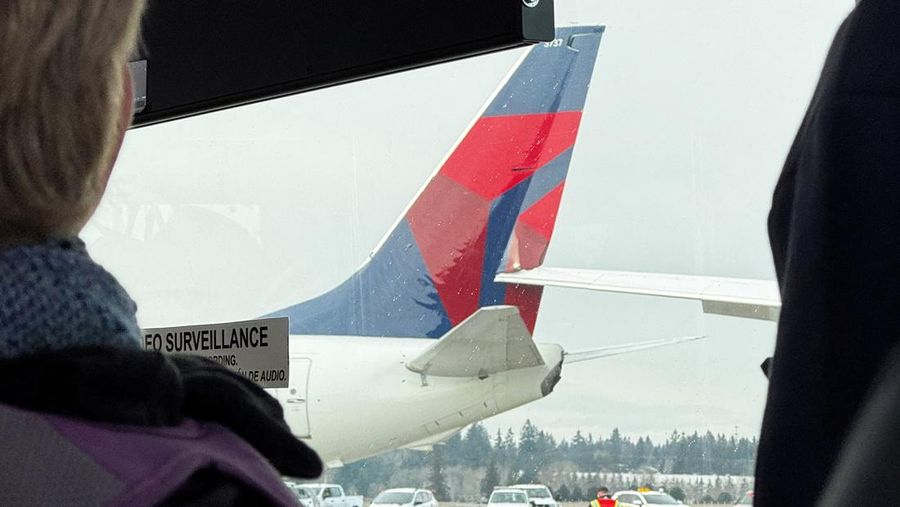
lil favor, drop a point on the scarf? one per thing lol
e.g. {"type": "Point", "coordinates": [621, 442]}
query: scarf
{"type": "Point", "coordinates": [54, 296]}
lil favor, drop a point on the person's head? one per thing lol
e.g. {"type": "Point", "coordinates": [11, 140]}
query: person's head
{"type": "Point", "coordinates": [65, 102]}
{"type": "Point", "coordinates": [602, 492]}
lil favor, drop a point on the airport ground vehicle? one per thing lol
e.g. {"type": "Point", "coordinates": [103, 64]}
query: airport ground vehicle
{"type": "Point", "coordinates": [508, 497]}
{"type": "Point", "coordinates": [305, 495]}
{"type": "Point", "coordinates": [332, 495]}
{"type": "Point", "coordinates": [405, 497]}
{"type": "Point", "coordinates": [639, 498]}
{"type": "Point", "coordinates": [538, 494]}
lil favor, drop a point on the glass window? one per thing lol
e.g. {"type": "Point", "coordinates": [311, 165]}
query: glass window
{"type": "Point", "coordinates": [660, 499]}
{"type": "Point", "coordinates": [393, 497]}
{"type": "Point", "coordinates": [681, 137]}
{"type": "Point", "coordinates": [535, 491]}
{"type": "Point", "coordinates": [508, 497]}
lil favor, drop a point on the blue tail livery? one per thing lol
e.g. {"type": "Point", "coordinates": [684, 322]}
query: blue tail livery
{"type": "Point", "coordinates": [490, 207]}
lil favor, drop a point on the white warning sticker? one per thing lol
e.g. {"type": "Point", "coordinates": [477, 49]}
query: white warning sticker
{"type": "Point", "coordinates": [256, 349]}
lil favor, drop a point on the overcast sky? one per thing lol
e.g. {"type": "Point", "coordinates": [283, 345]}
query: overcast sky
{"type": "Point", "coordinates": [691, 111]}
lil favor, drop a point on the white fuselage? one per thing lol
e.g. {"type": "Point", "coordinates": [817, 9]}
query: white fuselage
{"type": "Point", "coordinates": [353, 397]}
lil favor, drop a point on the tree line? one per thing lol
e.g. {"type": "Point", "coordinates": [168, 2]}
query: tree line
{"type": "Point", "coordinates": [470, 464]}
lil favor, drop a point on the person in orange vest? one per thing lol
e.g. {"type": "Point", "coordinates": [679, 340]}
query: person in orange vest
{"type": "Point", "coordinates": [604, 499]}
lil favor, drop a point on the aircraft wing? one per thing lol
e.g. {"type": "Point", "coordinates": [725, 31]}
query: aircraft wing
{"type": "Point", "coordinates": [736, 297]}
{"type": "Point", "coordinates": [491, 340]}
{"type": "Point", "coordinates": [577, 356]}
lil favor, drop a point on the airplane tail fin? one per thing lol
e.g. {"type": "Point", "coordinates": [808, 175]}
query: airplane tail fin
{"type": "Point", "coordinates": [490, 207]}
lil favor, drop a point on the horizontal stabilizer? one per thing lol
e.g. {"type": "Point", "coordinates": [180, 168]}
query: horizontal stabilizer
{"type": "Point", "coordinates": [615, 350]}
{"type": "Point", "coordinates": [492, 340]}
{"type": "Point", "coordinates": [735, 297]}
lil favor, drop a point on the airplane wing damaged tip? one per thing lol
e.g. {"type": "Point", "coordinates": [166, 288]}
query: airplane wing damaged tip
{"type": "Point", "coordinates": [615, 350]}
{"type": "Point", "coordinates": [492, 340]}
{"type": "Point", "coordinates": [733, 297]}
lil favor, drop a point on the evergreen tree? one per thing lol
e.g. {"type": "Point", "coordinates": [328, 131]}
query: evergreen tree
{"type": "Point", "coordinates": [577, 494]}
{"type": "Point", "coordinates": [615, 448]}
{"type": "Point", "coordinates": [512, 477]}
{"type": "Point", "coordinates": [725, 497]}
{"type": "Point", "coordinates": [491, 479]}
{"type": "Point", "coordinates": [363, 476]}
{"type": "Point", "coordinates": [563, 494]}
{"type": "Point", "coordinates": [563, 449]}
{"type": "Point", "coordinates": [545, 447]}
{"type": "Point", "coordinates": [528, 455]}
{"type": "Point", "coordinates": [413, 459]}
{"type": "Point", "coordinates": [507, 457]}
{"type": "Point", "coordinates": [438, 484]}
{"type": "Point", "coordinates": [581, 452]}
{"type": "Point", "coordinates": [583, 461]}
{"type": "Point", "coordinates": [475, 448]}
{"type": "Point", "coordinates": [452, 451]}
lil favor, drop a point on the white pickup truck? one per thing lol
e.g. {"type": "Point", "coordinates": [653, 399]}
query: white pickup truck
{"type": "Point", "coordinates": [332, 495]}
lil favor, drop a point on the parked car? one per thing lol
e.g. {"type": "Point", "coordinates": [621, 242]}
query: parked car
{"type": "Point", "coordinates": [508, 497]}
{"type": "Point", "coordinates": [305, 496]}
{"type": "Point", "coordinates": [538, 494]}
{"type": "Point", "coordinates": [332, 495]}
{"type": "Point", "coordinates": [641, 498]}
{"type": "Point", "coordinates": [405, 497]}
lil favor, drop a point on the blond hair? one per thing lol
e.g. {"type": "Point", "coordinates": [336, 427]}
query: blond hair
{"type": "Point", "coordinates": [61, 84]}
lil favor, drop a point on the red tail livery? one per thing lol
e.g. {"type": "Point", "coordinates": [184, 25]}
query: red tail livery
{"type": "Point", "coordinates": [490, 207]}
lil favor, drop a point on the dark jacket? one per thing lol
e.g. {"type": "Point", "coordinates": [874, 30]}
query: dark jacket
{"type": "Point", "coordinates": [866, 472]}
{"type": "Point", "coordinates": [130, 427]}
{"type": "Point", "coordinates": [835, 233]}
